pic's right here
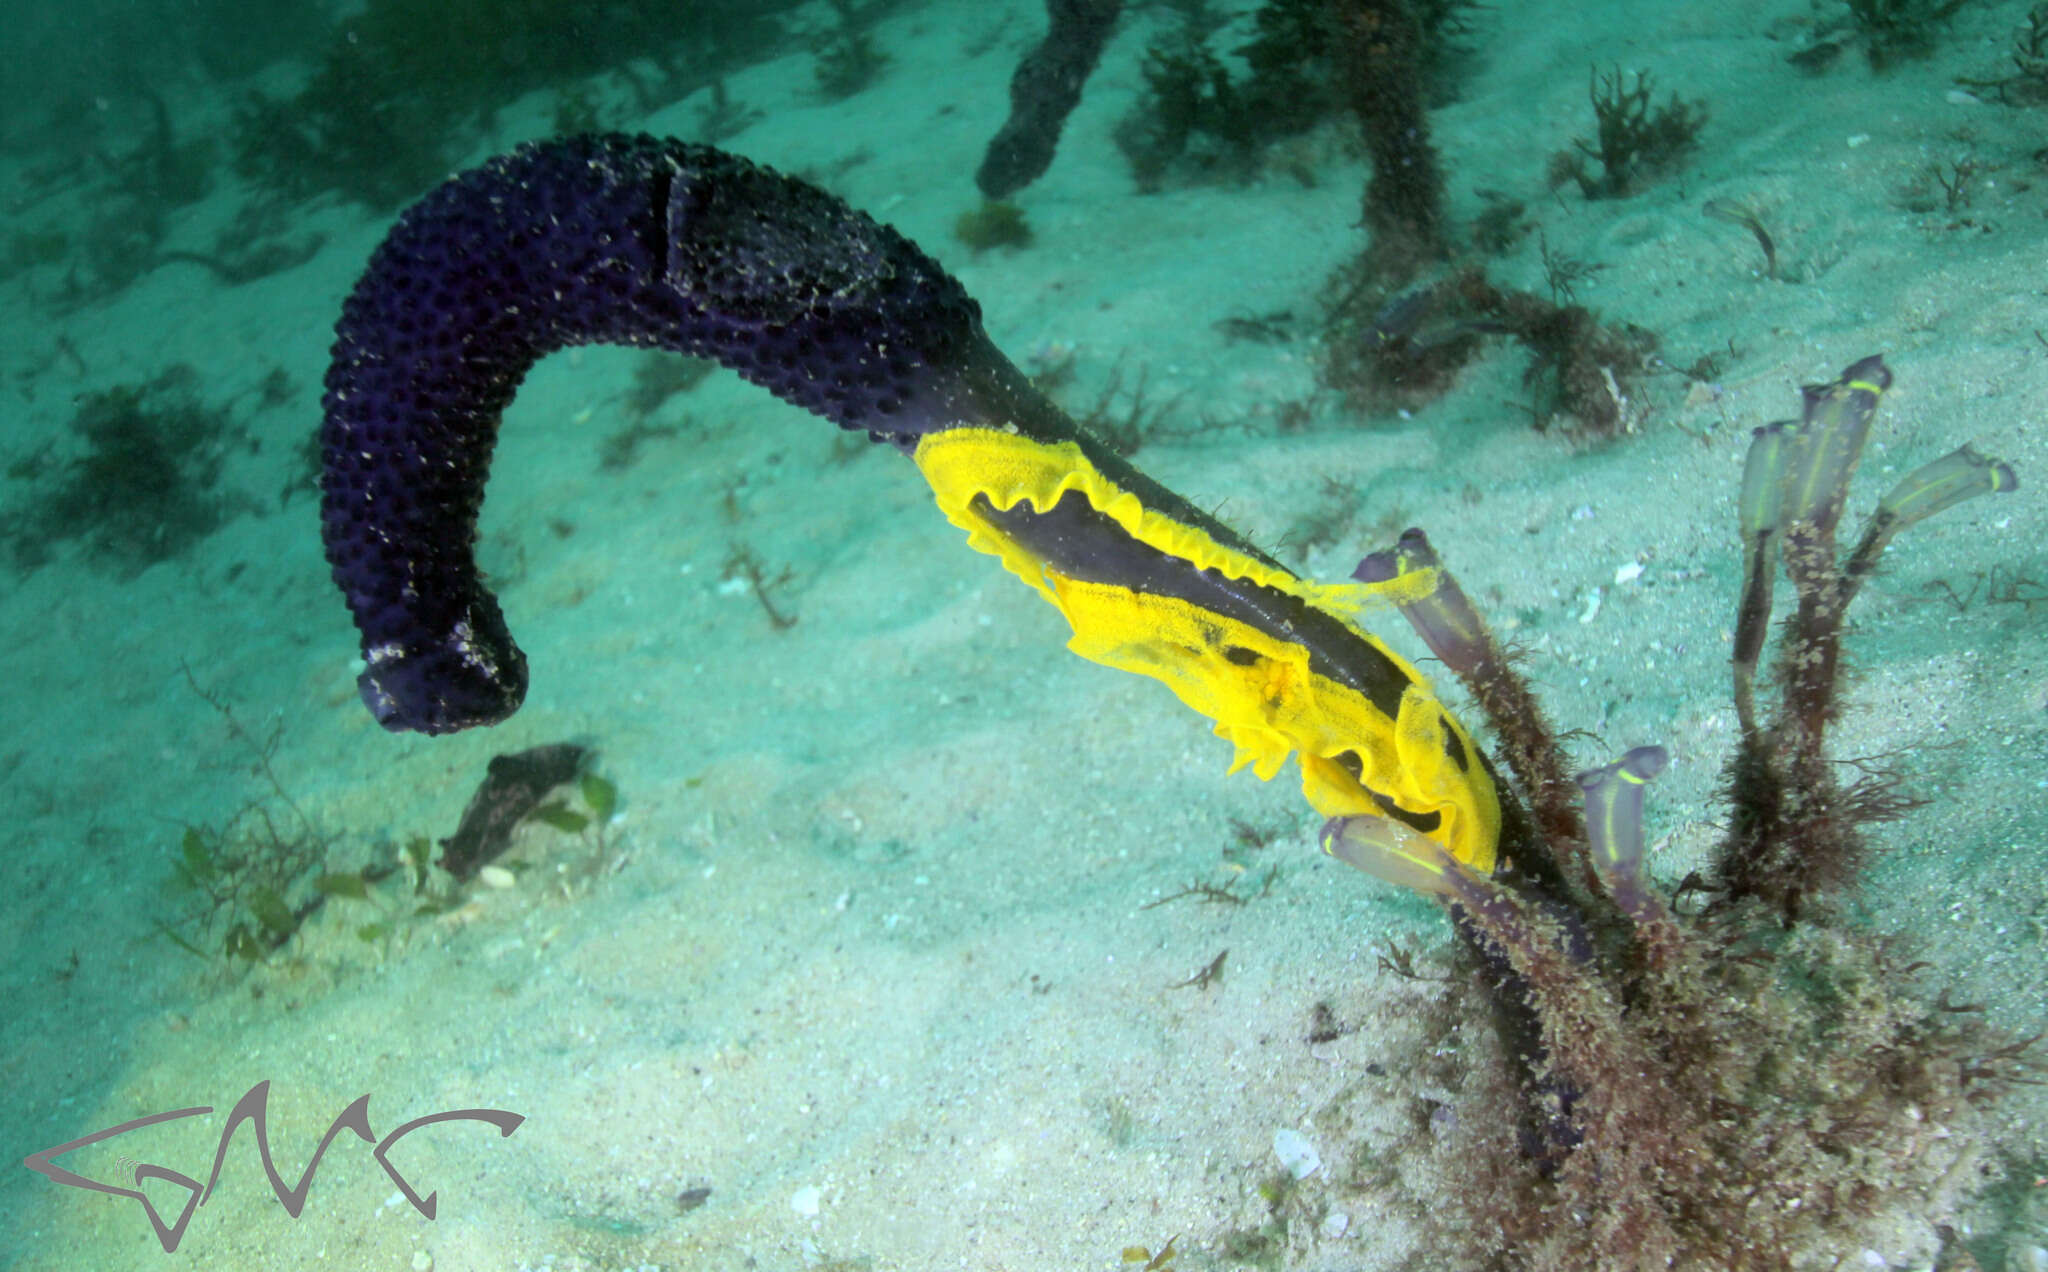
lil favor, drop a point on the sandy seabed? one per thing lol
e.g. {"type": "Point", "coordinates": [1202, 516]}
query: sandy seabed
{"type": "Point", "coordinates": [867, 952]}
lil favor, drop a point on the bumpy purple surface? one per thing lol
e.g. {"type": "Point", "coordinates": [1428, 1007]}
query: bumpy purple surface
{"type": "Point", "coordinates": [602, 239]}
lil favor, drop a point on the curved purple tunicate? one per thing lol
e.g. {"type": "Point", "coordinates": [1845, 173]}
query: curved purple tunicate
{"type": "Point", "coordinates": [1614, 826]}
{"type": "Point", "coordinates": [1445, 618]}
{"type": "Point", "coordinates": [608, 239]}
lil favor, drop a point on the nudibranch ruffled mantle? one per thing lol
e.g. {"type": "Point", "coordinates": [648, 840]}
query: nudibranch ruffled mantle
{"type": "Point", "coordinates": [635, 240]}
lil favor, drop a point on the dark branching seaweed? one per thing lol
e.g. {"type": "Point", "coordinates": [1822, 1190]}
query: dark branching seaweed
{"type": "Point", "coordinates": [720, 116]}
{"type": "Point", "coordinates": [1307, 61]}
{"type": "Point", "coordinates": [848, 58]}
{"type": "Point", "coordinates": [1563, 272]}
{"type": "Point", "coordinates": [577, 110]}
{"type": "Point", "coordinates": [2028, 83]}
{"type": "Point", "coordinates": [620, 449]}
{"type": "Point", "coordinates": [1748, 1087]}
{"type": "Point", "coordinates": [1448, 31]}
{"type": "Point", "coordinates": [1289, 84]}
{"type": "Point", "coordinates": [743, 564]}
{"type": "Point", "coordinates": [1898, 30]}
{"type": "Point", "coordinates": [123, 235]}
{"type": "Point", "coordinates": [261, 240]}
{"type": "Point", "coordinates": [1188, 94]}
{"type": "Point", "coordinates": [130, 211]}
{"type": "Point", "coordinates": [1386, 346]}
{"type": "Point", "coordinates": [164, 170]}
{"type": "Point", "coordinates": [659, 377]}
{"type": "Point", "coordinates": [1890, 31]}
{"type": "Point", "coordinates": [118, 246]}
{"type": "Point", "coordinates": [370, 143]}
{"type": "Point", "coordinates": [1326, 522]}
{"type": "Point", "coordinates": [1635, 141]}
{"type": "Point", "coordinates": [145, 488]}
{"type": "Point", "coordinates": [237, 875]}
{"type": "Point", "coordinates": [1395, 351]}
{"type": "Point", "coordinates": [1126, 419]}
{"type": "Point", "coordinates": [129, 195]}
{"type": "Point", "coordinates": [1405, 351]}
{"type": "Point", "coordinates": [1502, 222]}
{"type": "Point", "coordinates": [402, 84]}
{"type": "Point", "coordinates": [1271, 328]}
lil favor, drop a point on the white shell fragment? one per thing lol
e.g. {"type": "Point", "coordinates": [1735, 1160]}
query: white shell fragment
{"type": "Point", "coordinates": [1296, 1153]}
{"type": "Point", "coordinates": [497, 877]}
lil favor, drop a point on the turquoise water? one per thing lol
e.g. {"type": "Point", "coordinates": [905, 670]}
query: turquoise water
{"type": "Point", "coordinates": [865, 951]}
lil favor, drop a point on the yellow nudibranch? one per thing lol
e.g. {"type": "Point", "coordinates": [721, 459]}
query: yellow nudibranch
{"type": "Point", "coordinates": [1280, 664]}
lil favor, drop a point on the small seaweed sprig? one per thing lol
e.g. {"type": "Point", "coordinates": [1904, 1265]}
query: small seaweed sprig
{"type": "Point", "coordinates": [743, 566]}
{"type": "Point", "coordinates": [600, 803]}
{"type": "Point", "coordinates": [251, 882]}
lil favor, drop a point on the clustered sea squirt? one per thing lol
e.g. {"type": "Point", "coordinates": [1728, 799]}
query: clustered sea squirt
{"type": "Point", "coordinates": [1742, 1087]}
